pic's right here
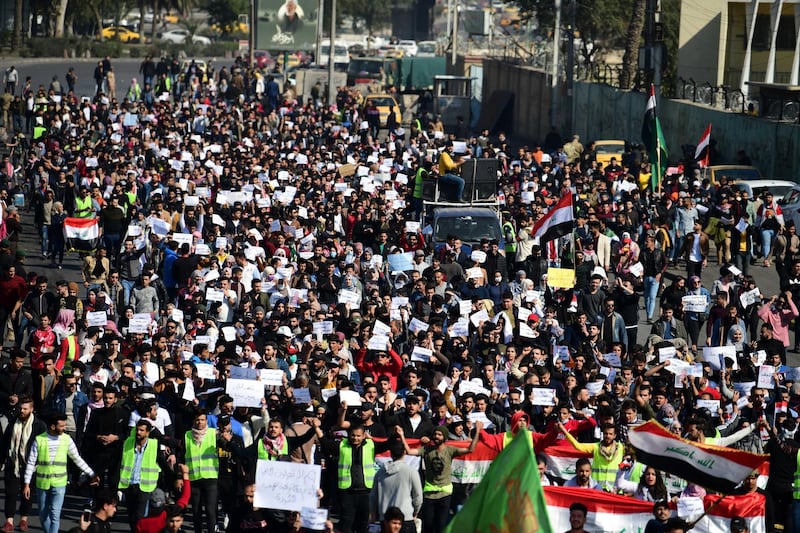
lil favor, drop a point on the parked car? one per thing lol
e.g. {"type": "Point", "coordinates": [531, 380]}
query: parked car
{"type": "Point", "coordinates": [263, 59]}
{"type": "Point", "coordinates": [409, 47]}
{"type": "Point", "coordinates": [734, 173]}
{"type": "Point", "coordinates": [426, 49]}
{"type": "Point", "coordinates": [384, 102]}
{"type": "Point", "coordinates": [180, 35]}
{"type": "Point", "coordinates": [608, 148]}
{"type": "Point", "coordinates": [790, 204]}
{"type": "Point", "coordinates": [119, 33]}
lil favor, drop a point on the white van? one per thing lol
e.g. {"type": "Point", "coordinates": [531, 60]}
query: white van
{"type": "Point", "coordinates": [341, 57]}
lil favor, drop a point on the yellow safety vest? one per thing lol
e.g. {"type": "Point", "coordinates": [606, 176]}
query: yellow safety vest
{"type": "Point", "coordinates": [263, 454]}
{"type": "Point", "coordinates": [604, 471]}
{"type": "Point", "coordinates": [148, 470]}
{"type": "Point", "coordinates": [50, 474]}
{"type": "Point", "coordinates": [346, 463]}
{"type": "Point", "coordinates": [202, 460]}
{"type": "Point", "coordinates": [83, 207]}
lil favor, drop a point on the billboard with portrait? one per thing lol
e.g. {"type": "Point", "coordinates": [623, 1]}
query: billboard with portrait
{"type": "Point", "coordinates": [286, 25]}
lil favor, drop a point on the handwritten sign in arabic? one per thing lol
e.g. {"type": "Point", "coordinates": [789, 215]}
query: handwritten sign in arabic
{"type": "Point", "coordinates": [286, 486]}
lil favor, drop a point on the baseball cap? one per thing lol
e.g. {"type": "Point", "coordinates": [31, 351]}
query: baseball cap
{"type": "Point", "coordinates": [285, 331]}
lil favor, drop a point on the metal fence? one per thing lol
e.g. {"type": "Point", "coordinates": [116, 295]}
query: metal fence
{"type": "Point", "coordinates": [720, 96]}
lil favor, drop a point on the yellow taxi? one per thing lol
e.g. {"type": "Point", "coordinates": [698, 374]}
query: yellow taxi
{"type": "Point", "coordinates": [119, 33]}
{"type": "Point", "coordinates": [608, 148]}
{"type": "Point", "coordinates": [384, 102]}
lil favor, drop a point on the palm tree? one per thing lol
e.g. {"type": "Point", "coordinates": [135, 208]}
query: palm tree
{"type": "Point", "coordinates": [17, 42]}
{"type": "Point", "coordinates": [630, 60]}
{"type": "Point", "coordinates": [60, 15]}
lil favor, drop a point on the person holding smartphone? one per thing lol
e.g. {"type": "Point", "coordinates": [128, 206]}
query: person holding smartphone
{"type": "Point", "coordinates": [99, 519]}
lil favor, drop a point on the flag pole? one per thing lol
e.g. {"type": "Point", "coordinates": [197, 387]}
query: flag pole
{"type": "Point", "coordinates": [705, 512]}
{"type": "Point", "coordinates": [658, 158]}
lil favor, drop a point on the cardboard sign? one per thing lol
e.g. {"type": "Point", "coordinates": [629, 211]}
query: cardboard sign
{"type": "Point", "coordinates": [561, 278]}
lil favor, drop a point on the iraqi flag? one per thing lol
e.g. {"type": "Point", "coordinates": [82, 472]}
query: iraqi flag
{"type": "Point", "coordinates": [558, 221]}
{"type": "Point", "coordinates": [81, 234]}
{"type": "Point", "coordinates": [466, 469]}
{"type": "Point", "coordinates": [561, 459]}
{"type": "Point", "coordinates": [615, 513]}
{"type": "Point", "coordinates": [714, 467]}
{"type": "Point", "coordinates": [653, 139]}
{"type": "Point", "coordinates": [703, 145]}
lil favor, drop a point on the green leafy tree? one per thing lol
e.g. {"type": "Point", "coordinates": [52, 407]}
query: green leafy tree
{"type": "Point", "coordinates": [225, 13]}
{"type": "Point", "coordinates": [630, 60]}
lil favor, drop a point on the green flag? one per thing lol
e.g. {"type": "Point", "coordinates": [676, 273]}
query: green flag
{"type": "Point", "coordinates": [653, 139]}
{"type": "Point", "coordinates": [510, 497]}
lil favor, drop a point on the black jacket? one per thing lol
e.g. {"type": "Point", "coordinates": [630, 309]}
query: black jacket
{"type": "Point", "coordinates": [39, 427]}
{"type": "Point", "coordinates": [20, 384]}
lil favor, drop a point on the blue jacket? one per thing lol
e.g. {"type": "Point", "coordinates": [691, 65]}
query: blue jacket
{"type": "Point", "coordinates": [618, 332]}
{"type": "Point", "coordinates": [79, 408]}
{"type": "Point", "coordinates": [169, 259]}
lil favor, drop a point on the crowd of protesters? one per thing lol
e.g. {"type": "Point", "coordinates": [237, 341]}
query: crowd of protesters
{"type": "Point", "coordinates": [287, 211]}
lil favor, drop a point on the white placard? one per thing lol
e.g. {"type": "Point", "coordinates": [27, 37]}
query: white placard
{"type": "Point", "coordinates": [271, 377]}
{"type": "Point", "coordinates": [477, 416]}
{"type": "Point", "coordinates": [177, 315]}
{"type": "Point", "coordinates": [711, 405]}
{"type": "Point", "coordinates": [313, 519]}
{"type": "Point", "coordinates": [694, 303]}
{"type": "Point", "coordinates": [183, 238]}
{"type": "Point", "coordinates": [202, 249]}
{"type": "Point", "coordinates": [417, 325]}
{"type": "Point", "coordinates": [285, 485]}
{"type": "Point", "coordinates": [464, 307]}
{"type": "Point", "coordinates": [526, 331]}
{"type": "Point", "coordinates": [678, 367]}
{"type": "Point", "coordinates": [191, 201]}
{"type": "Point", "coordinates": [765, 377]}
{"type": "Point", "coordinates": [302, 395]}
{"type": "Point", "coordinates": [501, 381]}
{"type": "Point", "coordinates": [637, 269]}
{"type": "Point", "coordinates": [214, 295]}
{"type": "Point", "coordinates": [750, 297]}
{"type": "Point", "coordinates": [377, 342]}
{"type": "Point", "coordinates": [561, 352]}
{"type": "Point", "coordinates": [349, 297]}
{"type": "Point", "coordinates": [460, 329]}
{"type": "Point", "coordinates": [205, 371]}
{"type": "Point", "coordinates": [421, 354]}
{"type": "Point", "coordinates": [666, 353]}
{"type": "Point", "coordinates": [139, 325]}
{"type": "Point", "coordinates": [479, 256]}
{"type": "Point", "coordinates": [327, 394]}
{"type": "Point", "coordinates": [711, 354]}
{"type": "Point", "coordinates": [474, 273]}
{"type": "Point", "coordinates": [245, 392]}
{"type": "Point", "coordinates": [690, 507]}
{"type": "Point", "coordinates": [379, 328]}
{"type": "Point", "coordinates": [188, 391]}
{"type": "Point", "coordinates": [595, 387]}
{"type": "Point", "coordinates": [324, 327]}
{"type": "Point", "coordinates": [612, 359]}
{"type": "Point", "coordinates": [229, 333]}
{"type": "Point", "coordinates": [350, 397]}
{"type": "Point", "coordinates": [97, 318]}
{"type": "Point", "coordinates": [733, 270]}
{"type": "Point", "coordinates": [541, 396]}
{"type": "Point", "coordinates": [412, 226]}
{"type": "Point", "coordinates": [480, 316]}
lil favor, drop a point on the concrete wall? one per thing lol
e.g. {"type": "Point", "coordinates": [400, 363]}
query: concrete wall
{"type": "Point", "coordinates": [531, 104]}
{"type": "Point", "coordinates": [602, 112]}
{"type": "Point", "coordinates": [701, 51]}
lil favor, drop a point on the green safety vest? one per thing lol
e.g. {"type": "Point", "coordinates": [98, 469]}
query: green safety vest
{"type": "Point", "coordinates": [39, 131]}
{"type": "Point", "coordinates": [604, 471]}
{"type": "Point", "coordinates": [263, 454]}
{"type": "Point", "coordinates": [637, 471]}
{"type": "Point", "coordinates": [131, 198]}
{"type": "Point", "coordinates": [796, 486]}
{"type": "Point", "coordinates": [511, 243]}
{"type": "Point", "coordinates": [421, 175]}
{"type": "Point", "coordinates": [346, 463]}
{"type": "Point", "coordinates": [83, 207]}
{"type": "Point", "coordinates": [51, 474]}
{"type": "Point", "coordinates": [149, 469]}
{"type": "Point", "coordinates": [202, 461]}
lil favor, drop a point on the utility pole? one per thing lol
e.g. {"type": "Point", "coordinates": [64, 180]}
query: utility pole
{"type": "Point", "coordinates": [571, 61]}
{"type": "Point", "coordinates": [554, 72]}
{"type": "Point", "coordinates": [320, 29]}
{"type": "Point", "coordinates": [653, 39]}
{"type": "Point", "coordinates": [331, 87]}
{"type": "Point", "coordinates": [454, 39]}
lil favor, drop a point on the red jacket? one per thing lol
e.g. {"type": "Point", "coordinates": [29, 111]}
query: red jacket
{"type": "Point", "coordinates": [372, 367]}
{"type": "Point", "coordinates": [156, 524]}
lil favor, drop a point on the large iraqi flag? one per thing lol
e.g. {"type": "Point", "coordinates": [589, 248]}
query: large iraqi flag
{"type": "Point", "coordinates": [558, 221]}
{"type": "Point", "coordinates": [81, 234]}
{"type": "Point", "coordinates": [714, 467]}
{"type": "Point", "coordinates": [612, 513]}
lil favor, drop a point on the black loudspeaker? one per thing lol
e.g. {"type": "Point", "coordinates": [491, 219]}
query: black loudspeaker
{"type": "Point", "coordinates": [483, 173]}
{"type": "Point", "coordinates": [429, 190]}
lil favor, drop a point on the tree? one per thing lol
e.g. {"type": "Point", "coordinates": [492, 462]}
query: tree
{"type": "Point", "coordinates": [630, 60]}
{"type": "Point", "coordinates": [61, 13]}
{"type": "Point", "coordinates": [373, 14]}
{"type": "Point", "coordinates": [17, 43]}
{"type": "Point", "coordinates": [225, 13]}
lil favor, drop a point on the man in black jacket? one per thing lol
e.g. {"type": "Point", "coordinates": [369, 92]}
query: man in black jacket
{"type": "Point", "coordinates": [15, 445]}
{"type": "Point", "coordinates": [104, 436]}
{"type": "Point", "coordinates": [15, 382]}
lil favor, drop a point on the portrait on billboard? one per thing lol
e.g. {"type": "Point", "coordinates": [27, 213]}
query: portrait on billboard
{"type": "Point", "coordinates": [286, 24]}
